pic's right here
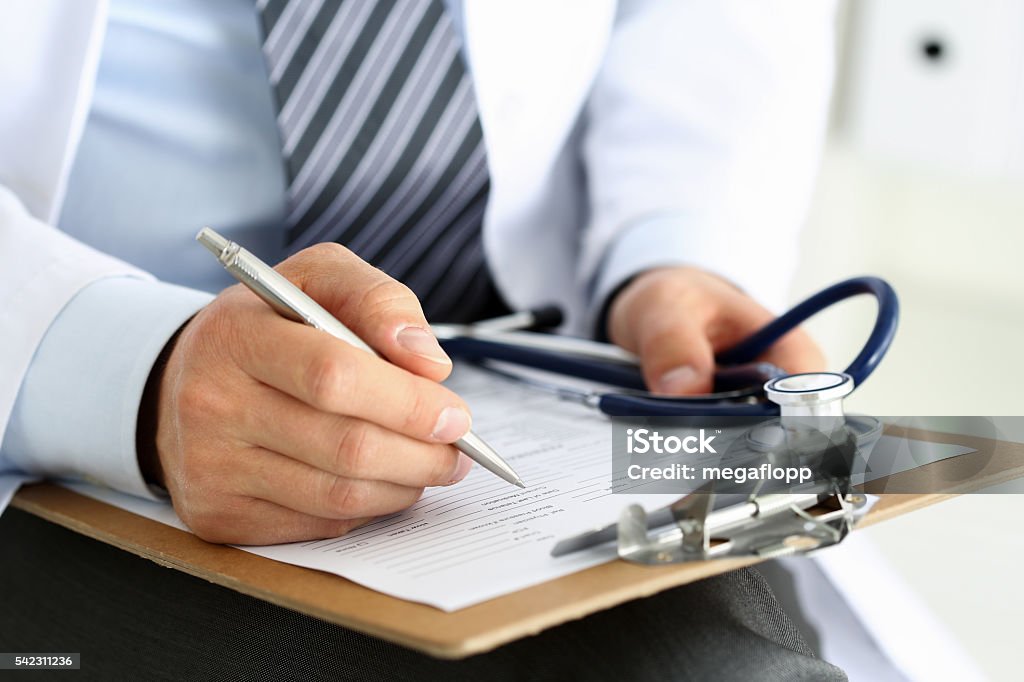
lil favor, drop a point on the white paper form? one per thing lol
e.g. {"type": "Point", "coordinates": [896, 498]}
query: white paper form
{"type": "Point", "coordinates": [481, 538]}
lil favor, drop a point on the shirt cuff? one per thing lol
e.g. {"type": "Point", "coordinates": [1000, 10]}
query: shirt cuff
{"type": "Point", "coordinates": [672, 241]}
{"type": "Point", "coordinates": [75, 414]}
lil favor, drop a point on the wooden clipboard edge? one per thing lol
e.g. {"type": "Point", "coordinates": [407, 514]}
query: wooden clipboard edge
{"type": "Point", "coordinates": [1001, 461]}
{"type": "Point", "coordinates": [466, 632]}
{"type": "Point", "coordinates": [455, 634]}
{"type": "Point", "coordinates": [46, 499]}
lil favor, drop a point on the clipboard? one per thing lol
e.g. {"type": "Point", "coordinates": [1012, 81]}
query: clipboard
{"type": "Point", "coordinates": [490, 624]}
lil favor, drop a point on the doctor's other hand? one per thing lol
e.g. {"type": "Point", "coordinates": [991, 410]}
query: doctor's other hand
{"type": "Point", "coordinates": [677, 318]}
{"type": "Point", "coordinates": [268, 431]}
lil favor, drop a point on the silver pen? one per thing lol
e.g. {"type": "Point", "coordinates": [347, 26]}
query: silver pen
{"type": "Point", "coordinates": [292, 303]}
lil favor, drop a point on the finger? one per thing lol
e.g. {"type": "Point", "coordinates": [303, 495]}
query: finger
{"type": "Point", "coordinates": [796, 352]}
{"type": "Point", "coordinates": [349, 447]}
{"type": "Point", "coordinates": [292, 484]}
{"type": "Point", "coordinates": [675, 355]}
{"type": "Point", "coordinates": [378, 309]}
{"type": "Point", "coordinates": [331, 376]}
{"type": "Point", "coordinates": [667, 330]}
{"type": "Point", "coordinates": [249, 521]}
{"type": "Point", "coordinates": [741, 316]}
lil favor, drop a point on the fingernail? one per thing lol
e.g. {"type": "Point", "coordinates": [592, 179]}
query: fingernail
{"type": "Point", "coordinates": [465, 464]}
{"type": "Point", "coordinates": [422, 343]}
{"type": "Point", "coordinates": [676, 381]}
{"type": "Point", "coordinates": [452, 425]}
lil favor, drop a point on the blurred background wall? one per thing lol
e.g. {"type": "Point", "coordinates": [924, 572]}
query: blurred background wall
{"type": "Point", "coordinates": [923, 184]}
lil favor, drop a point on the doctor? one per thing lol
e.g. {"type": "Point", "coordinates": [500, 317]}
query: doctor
{"type": "Point", "coordinates": [643, 164]}
{"type": "Point", "coordinates": [654, 170]}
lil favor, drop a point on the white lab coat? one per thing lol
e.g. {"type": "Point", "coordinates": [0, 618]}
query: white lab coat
{"type": "Point", "coordinates": [619, 136]}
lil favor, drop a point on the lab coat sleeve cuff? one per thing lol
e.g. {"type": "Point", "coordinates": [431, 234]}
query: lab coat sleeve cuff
{"type": "Point", "coordinates": [673, 240]}
{"type": "Point", "coordinates": [76, 411]}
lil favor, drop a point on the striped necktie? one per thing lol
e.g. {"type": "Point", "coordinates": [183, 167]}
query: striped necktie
{"type": "Point", "coordinates": [382, 143]}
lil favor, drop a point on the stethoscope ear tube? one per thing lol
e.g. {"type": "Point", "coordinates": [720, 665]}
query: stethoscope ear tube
{"type": "Point", "coordinates": [737, 367]}
{"type": "Point", "coordinates": [470, 348]}
{"type": "Point", "coordinates": [625, 405]}
{"type": "Point", "coordinates": [874, 349]}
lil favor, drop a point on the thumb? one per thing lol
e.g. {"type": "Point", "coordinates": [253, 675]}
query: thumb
{"type": "Point", "coordinates": [675, 354]}
{"type": "Point", "coordinates": [676, 357]}
{"type": "Point", "coordinates": [378, 309]}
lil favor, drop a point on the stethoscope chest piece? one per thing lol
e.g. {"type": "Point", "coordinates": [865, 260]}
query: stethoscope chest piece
{"type": "Point", "coordinates": [812, 402]}
{"type": "Point", "coordinates": [812, 394]}
{"type": "Point", "coordinates": [809, 403]}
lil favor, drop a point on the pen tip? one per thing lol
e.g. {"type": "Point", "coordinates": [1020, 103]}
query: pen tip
{"type": "Point", "coordinates": [519, 482]}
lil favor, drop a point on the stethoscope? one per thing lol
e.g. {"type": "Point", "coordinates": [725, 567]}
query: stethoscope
{"type": "Point", "coordinates": [742, 385]}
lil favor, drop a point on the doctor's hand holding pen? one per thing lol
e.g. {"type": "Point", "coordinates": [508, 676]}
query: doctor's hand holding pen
{"type": "Point", "coordinates": [263, 430]}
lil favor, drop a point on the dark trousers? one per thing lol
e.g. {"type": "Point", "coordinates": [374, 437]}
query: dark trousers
{"type": "Point", "coordinates": [134, 620]}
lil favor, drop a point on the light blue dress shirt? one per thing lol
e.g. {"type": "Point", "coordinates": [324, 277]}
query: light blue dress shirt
{"type": "Point", "coordinates": [181, 134]}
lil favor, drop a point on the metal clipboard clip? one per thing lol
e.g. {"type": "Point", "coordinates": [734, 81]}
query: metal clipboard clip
{"type": "Point", "coordinates": [690, 529]}
{"type": "Point", "coordinates": [768, 525]}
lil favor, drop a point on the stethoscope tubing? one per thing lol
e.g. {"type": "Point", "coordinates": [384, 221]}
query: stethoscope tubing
{"type": "Point", "coordinates": [624, 405]}
{"type": "Point", "coordinates": [875, 348]}
{"type": "Point", "coordinates": [482, 350]}
{"type": "Point", "coordinates": [477, 350]}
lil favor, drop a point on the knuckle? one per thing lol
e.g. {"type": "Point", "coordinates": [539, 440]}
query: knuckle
{"type": "Point", "coordinates": [254, 420]}
{"type": "Point", "coordinates": [197, 482]}
{"type": "Point", "coordinates": [211, 509]}
{"type": "Point", "coordinates": [342, 497]}
{"type": "Point", "coordinates": [420, 415]}
{"type": "Point", "coordinates": [200, 400]}
{"type": "Point", "coordinates": [191, 399]}
{"type": "Point", "coordinates": [223, 330]}
{"type": "Point", "coordinates": [219, 321]}
{"type": "Point", "coordinates": [312, 256]}
{"type": "Point", "coordinates": [210, 523]}
{"type": "Point", "coordinates": [324, 251]}
{"type": "Point", "coordinates": [355, 450]}
{"type": "Point", "coordinates": [206, 468]}
{"type": "Point", "coordinates": [384, 295]}
{"type": "Point", "coordinates": [313, 265]}
{"type": "Point", "coordinates": [327, 378]}
{"type": "Point", "coordinates": [446, 464]}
